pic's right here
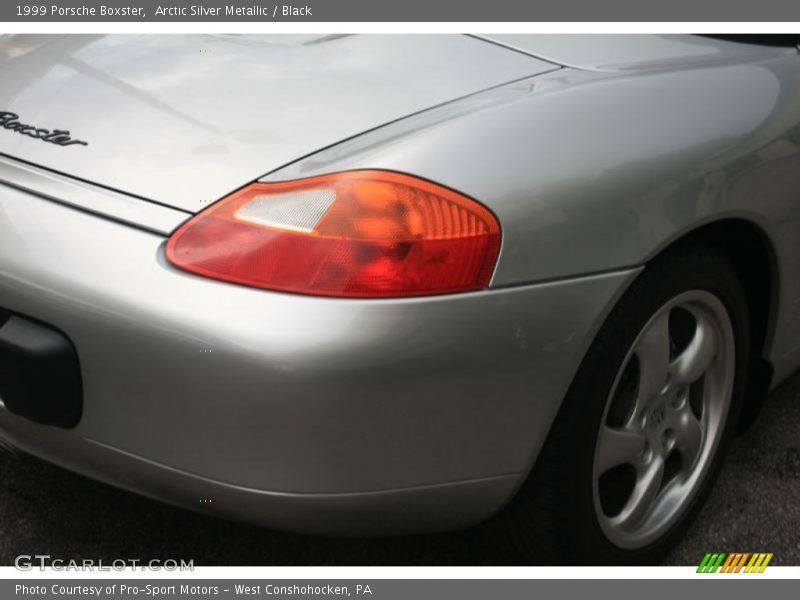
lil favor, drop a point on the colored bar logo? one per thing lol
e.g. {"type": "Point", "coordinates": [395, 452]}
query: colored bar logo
{"type": "Point", "coordinates": [734, 562]}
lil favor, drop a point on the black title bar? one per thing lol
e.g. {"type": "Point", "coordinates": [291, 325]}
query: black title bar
{"type": "Point", "coordinates": [401, 11]}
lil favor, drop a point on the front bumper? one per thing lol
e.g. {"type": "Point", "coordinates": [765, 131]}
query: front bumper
{"type": "Point", "coordinates": [312, 414]}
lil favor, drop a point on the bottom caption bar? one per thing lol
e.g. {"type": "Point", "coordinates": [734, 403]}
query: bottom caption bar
{"type": "Point", "coordinates": [394, 589]}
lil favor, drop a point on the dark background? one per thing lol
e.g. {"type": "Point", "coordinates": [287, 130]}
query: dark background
{"type": "Point", "coordinates": [755, 507]}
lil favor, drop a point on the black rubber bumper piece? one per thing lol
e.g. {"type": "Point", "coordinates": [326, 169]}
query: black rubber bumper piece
{"type": "Point", "coordinates": [40, 376]}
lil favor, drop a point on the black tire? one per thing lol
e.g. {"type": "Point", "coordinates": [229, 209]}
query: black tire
{"type": "Point", "coordinates": [552, 519]}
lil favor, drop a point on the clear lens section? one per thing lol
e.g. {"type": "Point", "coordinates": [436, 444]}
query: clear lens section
{"type": "Point", "coordinates": [297, 211]}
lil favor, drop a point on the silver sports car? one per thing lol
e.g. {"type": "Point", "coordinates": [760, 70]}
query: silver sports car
{"type": "Point", "coordinates": [375, 285]}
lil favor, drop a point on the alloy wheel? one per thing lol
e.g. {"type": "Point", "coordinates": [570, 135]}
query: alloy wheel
{"type": "Point", "coordinates": [664, 418]}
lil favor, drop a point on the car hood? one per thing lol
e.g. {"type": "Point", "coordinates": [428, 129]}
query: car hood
{"type": "Point", "coordinates": [636, 52]}
{"type": "Point", "coordinates": [184, 120]}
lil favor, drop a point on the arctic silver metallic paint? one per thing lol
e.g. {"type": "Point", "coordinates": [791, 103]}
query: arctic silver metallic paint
{"type": "Point", "coordinates": [595, 171]}
{"type": "Point", "coordinates": [300, 396]}
{"type": "Point", "coordinates": [353, 416]}
{"type": "Point", "coordinates": [198, 116]}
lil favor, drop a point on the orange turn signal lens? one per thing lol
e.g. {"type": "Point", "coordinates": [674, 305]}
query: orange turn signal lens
{"type": "Point", "coordinates": [349, 234]}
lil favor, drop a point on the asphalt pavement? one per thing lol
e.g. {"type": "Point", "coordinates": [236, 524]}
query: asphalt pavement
{"type": "Point", "coordinates": [755, 506]}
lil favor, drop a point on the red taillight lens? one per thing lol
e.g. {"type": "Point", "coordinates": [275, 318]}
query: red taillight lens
{"type": "Point", "coordinates": [354, 234]}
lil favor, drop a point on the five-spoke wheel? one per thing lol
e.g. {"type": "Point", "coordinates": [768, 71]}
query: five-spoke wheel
{"type": "Point", "coordinates": [641, 433]}
{"type": "Point", "coordinates": [663, 418]}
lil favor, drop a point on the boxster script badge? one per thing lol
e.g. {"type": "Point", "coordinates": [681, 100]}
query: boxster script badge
{"type": "Point", "coordinates": [61, 137]}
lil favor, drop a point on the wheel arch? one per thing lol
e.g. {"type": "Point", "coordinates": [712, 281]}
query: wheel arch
{"type": "Point", "coordinates": [748, 246]}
